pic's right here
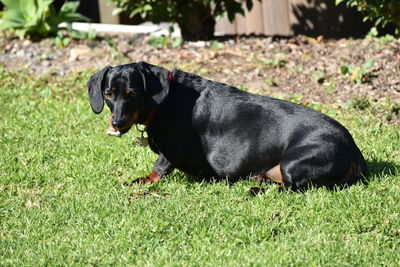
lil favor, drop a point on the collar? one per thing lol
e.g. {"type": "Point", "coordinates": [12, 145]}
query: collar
{"type": "Point", "coordinates": [170, 77]}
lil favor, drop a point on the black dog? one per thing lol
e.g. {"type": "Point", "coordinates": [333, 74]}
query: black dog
{"type": "Point", "coordinates": [210, 129]}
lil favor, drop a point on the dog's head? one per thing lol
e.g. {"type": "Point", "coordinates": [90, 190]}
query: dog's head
{"type": "Point", "coordinates": [131, 92]}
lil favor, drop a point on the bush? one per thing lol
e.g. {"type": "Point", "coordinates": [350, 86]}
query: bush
{"type": "Point", "coordinates": [38, 18]}
{"type": "Point", "coordinates": [196, 18]}
{"type": "Point", "coordinates": [381, 12]}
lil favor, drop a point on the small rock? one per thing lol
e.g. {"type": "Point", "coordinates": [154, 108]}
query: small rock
{"type": "Point", "coordinates": [198, 44]}
{"type": "Point", "coordinates": [9, 47]}
{"type": "Point", "coordinates": [46, 63]}
{"type": "Point", "coordinates": [268, 40]}
{"type": "Point", "coordinates": [29, 54]}
{"type": "Point", "coordinates": [15, 49]}
{"type": "Point", "coordinates": [20, 53]}
{"type": "Point", "coordinates": [231, 42]}
{"type": "Point", "coordinates": [123, 47]}
{"type": "Point", "coordinates": [27, 43]}
{"type": "Point", "coordinates": [79, 53]}
{"type": "Point", "coordinates": [184, 54]}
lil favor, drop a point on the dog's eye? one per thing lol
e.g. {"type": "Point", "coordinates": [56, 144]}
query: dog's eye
{"type": "Point", "coordinates": [130, 92]}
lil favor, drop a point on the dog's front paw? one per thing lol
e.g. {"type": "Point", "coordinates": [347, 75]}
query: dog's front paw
{"type": "Point", "coordinates": [151, 178]}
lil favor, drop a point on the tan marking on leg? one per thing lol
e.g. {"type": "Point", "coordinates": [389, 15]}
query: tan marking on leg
{"type": "Point", "coordinates": [275, 175]}
{"type": "Point", "coordinates": [352, 170]}
{"type": "Point", "coordinates": [153, 177]}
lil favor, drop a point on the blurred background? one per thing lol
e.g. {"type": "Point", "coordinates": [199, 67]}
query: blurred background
{"type": "Point", "coordinates": [269, 17]}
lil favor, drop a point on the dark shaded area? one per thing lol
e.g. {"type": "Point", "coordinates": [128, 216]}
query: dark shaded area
{"type": "Point", "coordinates": [227, 37]}
{"type": "Point", "coordinates": [323, 17]}
{"type": "Point", "coordinates": [88, 8]}
{"type": "Point", "coordinates": [377, 167]}
{"type": "Point", "coordinates": [124, 18]}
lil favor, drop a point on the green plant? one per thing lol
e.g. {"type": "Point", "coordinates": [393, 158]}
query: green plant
{"type": "Point", "coordinates": [359, 74]}
{"type": "Point", "coordinates": [360, 103]}
{"type": "Point", "coordinates": [318, 76]}
{"type": "Point", "coordinates": [271, 82]}
{"type": "Point", "coordinates": [165, 41]}
{"type": "Point", "coordinates": [381, 12]}
{"type": "Point", "coordinates": [38, 18]}
{"type": "Point", "coordinates": [65, 36]}
{"type": "Point", "coordinates": [215, 45]}
{"type": "Point", "coordinates": [330, 85]}
{"type": "Point", "coordinates": [380, 41]}
{"type": "Point", "coordinates": [299, 68]}
{"type": "Point", "coordinates": [196, 18]}
{"type": "Point", "coordinates": [276, 62]}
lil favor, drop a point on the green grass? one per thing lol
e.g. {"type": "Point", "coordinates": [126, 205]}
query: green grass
{"type": "Point", "coordinates": [62, 199]}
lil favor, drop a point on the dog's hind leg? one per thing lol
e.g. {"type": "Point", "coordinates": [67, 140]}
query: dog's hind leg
{"type": "Point", "coordinates": [310, 165]}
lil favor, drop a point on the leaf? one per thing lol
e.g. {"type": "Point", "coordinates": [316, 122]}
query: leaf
{"type": "Point", "coordinates": [21, 33]}
{"type": "Point", "coordinates": [176, 42]}
{"type": "Point", "coordinates": [117, 10]}
{"type": "Point", "coordinates": [72, 17]}
{"type": "Point", "coordinates": [356, 74]}
{"type": "Point", "coordinates": [11, 4]}
{"type": "Point", "coordinates": [369, 64]}
{"type": "Point", "coordinates": [344, 69]}
{"type": "Point", "coordinates": [30, 9]}
{"type": "Point", "coordinates": [70, 7]}
{"type": "Point", "coordinates": [135, 12]}
{"type": "Point", "coordinates": [249, 4]}
{"type": "Point", "coordinates": [233, 7]}
{"type": "Point", "coordinates": [8, 24]}
{"type": "Point", "coordinates": [147, 7]}
{"type": "Point", "coordinates": [68, 13]}
{"type": "Point", "coordinates": [14, 16]}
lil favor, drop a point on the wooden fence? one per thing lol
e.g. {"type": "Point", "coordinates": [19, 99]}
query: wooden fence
{"type": "Point", "coordinates": [280, 17]}
{"type": "Point", "coordinates": [290, 17]}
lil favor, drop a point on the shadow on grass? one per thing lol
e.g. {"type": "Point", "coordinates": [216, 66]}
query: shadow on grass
{"type": "Point", "coordinates": [379, 168]}
{"type": "Point", "coordinates": [376, 168]}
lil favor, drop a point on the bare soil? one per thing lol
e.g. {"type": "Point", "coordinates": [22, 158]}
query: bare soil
{"type": "Point", "coordinates": [311, 70]}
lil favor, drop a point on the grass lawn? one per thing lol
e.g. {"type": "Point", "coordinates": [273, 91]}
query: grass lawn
{"type": "Point", "coordinates": [63, 202]}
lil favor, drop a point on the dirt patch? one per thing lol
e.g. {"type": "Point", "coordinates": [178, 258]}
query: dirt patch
{"type": "Point", "coordinates": [310, 70]}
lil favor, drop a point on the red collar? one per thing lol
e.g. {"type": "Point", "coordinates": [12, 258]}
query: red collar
{"type": "Point", "coordinates": [170, 77]}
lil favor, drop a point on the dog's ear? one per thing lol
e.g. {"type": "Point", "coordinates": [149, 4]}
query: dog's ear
{"type": "Point", "coordinates": [155, 83]}
{"type": "Point", "coordinates": [96, 88]}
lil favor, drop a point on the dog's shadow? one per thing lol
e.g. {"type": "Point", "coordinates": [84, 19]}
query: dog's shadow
{"type": "Point", "coordinates": [379, 168]}
{"type": "Point", "coordinates": [376, 169]}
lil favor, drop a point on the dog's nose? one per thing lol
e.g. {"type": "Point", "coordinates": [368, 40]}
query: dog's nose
{"type": "Point", "coordinates": [117, 124]}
